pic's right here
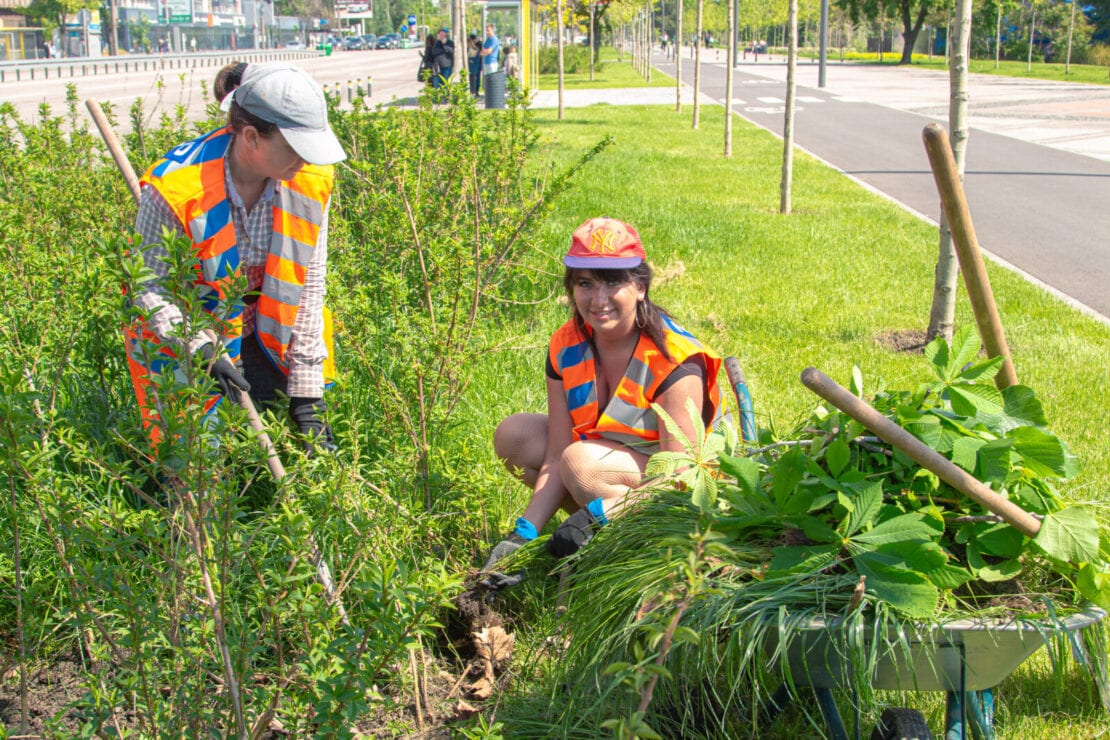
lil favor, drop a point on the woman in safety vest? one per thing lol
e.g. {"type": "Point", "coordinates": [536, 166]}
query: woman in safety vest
{"type": "Point", "coordinates": [606, 366]}
{"type": "Point", "coordinates": [253, 198]}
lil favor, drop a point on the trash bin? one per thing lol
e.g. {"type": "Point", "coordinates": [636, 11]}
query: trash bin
{"type": "Point", "coordinates": [327, 50]}
{"type": "Point", "coordinates": [494, 83]}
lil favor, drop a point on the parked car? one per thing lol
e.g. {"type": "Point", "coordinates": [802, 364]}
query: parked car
{"type": "Point", "coordinates": [295, 44]}
{"type": "Point", "coordinates": [388, 41]}
{"type": "Point", "coordinates": [369, 40]}
{"type": "Point", "coordinates": [353, 43]}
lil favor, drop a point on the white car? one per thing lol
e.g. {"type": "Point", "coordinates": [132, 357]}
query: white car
{"type": "Point", "coordinates": [295, 44]}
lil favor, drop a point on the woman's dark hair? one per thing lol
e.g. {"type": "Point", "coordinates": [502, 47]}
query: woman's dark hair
{"type": "Point", "coordinates": [649, 316]}
{"type": "Point", "coordinates": [227, 79]}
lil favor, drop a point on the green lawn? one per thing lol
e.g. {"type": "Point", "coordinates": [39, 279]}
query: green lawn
{"type": "Point", "coordinates": [1039, 70]}
{"type": "Point", "coordinates": [613, 70]}
{"type": "Point", "coordinates": [819, 287]}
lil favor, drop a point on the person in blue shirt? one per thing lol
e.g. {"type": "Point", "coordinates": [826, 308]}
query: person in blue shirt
{"type": "Point", "coordinates": [491, 51]}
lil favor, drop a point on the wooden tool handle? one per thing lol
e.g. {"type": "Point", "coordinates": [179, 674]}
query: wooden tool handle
{"type": "Point", "coordinates": [956, 213]}
{"type": "Point", "coordinates": [109, 137]}
{"type": "Point", "coordinates": [926, 457]}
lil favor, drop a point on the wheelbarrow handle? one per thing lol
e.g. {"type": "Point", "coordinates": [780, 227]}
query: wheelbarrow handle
{"type": "Point", "coordinates": [926, 457]}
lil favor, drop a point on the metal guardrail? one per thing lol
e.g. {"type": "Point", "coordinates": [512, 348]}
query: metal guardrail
{"type": "Point", "coordinates": [74, 67]}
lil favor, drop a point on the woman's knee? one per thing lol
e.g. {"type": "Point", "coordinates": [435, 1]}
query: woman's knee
{"type": "Point", "coordinates": [513, 439]}
{"type": "Point", "coordinates": [592, 470]}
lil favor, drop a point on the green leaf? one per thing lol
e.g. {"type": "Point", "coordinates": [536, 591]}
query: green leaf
{"type": "Point", "coordinates": [908, 592]}
{"type": "Point", "coordinates": [983, 371]}
{"type": "Point", "coordinates": [867, 503]}
{"type": "Point", "coordinates": [804, 559]}
{"type": "Point", "coordinates": [1042, 452]}
{"type": "Point", "coordinates": [899, 529]}
{"type": "Point", "coordinates": [964, 451]}
{"type": "Point", "coordinates": [1070, 535]}
{"type": "Point", "coordinates": [856, 385]}
{"type": "Point", "coordinates": [786, 475]}
{"type": "Point", "coordinates": [948, 577]}
{"type": "Point", "coordinates": [996, 460]}
{"type": "Point", "coordinates": [965, 346]}
{"type": "Point", "coordinates": [973, 400]}
{"type": "Point", "coordinates": [837, 456]}
{"type": "Point", "coordinates": [917, 555]}
{"type": "Point", "coordinates": [1000, 540]}
{"type": "Point", "coordinates": [1094, 584]}
{"type": "Point", "coordinates": [936, 354]}
{"type": "Point", "coordinates": [819, 531]}
{"type": "Point", "coordinates": [1022, 405]}
{"type": "Point", "coordinates": [745, 471]}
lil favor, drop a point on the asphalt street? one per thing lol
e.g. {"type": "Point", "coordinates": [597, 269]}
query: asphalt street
{"type": "Point", "coordinates": [1037, 208]}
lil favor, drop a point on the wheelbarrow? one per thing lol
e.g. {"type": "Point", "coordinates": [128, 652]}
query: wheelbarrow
{"type": "Point", "coordinates": [965, 658]}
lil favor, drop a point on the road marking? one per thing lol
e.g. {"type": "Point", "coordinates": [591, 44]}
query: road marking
{"type": "Point", "coordinates": [808, 99]}
{"type": "Point", "coordinates": [771, 101]}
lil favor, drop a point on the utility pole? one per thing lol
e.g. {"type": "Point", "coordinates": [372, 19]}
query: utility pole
{"type": "Point", "coordinates": [824, 35]}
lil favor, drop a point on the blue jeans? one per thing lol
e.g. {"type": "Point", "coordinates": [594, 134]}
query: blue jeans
{"type": "Point", "coordinates": [440, 79]}
{"type": "Point", "coordinates": [474, 67]}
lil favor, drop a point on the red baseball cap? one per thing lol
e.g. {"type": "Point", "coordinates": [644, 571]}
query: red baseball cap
{"type": "Point", "coordinates": [605, 244]}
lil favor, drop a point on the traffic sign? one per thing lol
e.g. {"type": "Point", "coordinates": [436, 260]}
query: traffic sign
{"type": "Point", "coordinates": [412, 20]}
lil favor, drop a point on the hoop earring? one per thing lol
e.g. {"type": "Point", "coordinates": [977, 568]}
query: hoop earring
{"type": "Point", "coordinates": [641, 315]}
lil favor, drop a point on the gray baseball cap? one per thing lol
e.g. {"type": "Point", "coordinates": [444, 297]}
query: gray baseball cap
{"type": "Point", "coordinates": [287, 97]}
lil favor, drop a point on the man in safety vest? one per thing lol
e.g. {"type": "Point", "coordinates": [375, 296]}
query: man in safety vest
{"type": "Point", "coordinates": [253, 199]}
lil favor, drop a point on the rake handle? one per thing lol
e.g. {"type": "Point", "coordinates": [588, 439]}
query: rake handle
{"type": "Point", "coordinates": [925, 456]}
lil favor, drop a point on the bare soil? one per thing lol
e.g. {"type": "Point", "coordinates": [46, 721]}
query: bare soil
{"type": "Point", "coordinates": [902, 340]}
{"type": "Point", "coordinates": [451, 681]}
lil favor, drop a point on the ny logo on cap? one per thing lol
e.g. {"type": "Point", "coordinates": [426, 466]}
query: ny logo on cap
{"type": "Point", "coordinates": [601, 240]}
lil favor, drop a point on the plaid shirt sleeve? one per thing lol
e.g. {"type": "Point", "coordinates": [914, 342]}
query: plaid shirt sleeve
{"type": "Point", "coordinates": [307, 350]}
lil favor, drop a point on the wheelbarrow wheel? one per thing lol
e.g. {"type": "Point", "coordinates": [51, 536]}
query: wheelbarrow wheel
{"type": "Point", "coordinates": [901, 724]}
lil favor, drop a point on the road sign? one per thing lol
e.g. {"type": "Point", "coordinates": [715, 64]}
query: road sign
{"type": "Point", "coordinates": [412, 20]}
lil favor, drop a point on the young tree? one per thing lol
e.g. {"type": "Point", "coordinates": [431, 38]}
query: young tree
{"type": "Point", "coordinates": [911, 12]}
{"type": "Point", "coordinates": [697, 62]}
{"type": "Point", "coordinates": [942, 313]}
{"type": "Point", "coordinates": [788, 123]}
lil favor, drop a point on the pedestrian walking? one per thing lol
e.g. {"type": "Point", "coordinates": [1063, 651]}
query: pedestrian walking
{"type": "Point", "coordinates": [443, 54]}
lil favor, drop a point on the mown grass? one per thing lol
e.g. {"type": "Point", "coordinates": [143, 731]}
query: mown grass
{"type": "Point", "coordinates": [1039, 70]}
{"type": "Point", "coordinates": [817, 287]}
{"type": "Point", "coordinates": [615, 70]}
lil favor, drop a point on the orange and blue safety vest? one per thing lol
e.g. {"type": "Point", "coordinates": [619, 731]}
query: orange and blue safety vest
{"type": "Point", "coordinates": [628, 418]}
{"type": "Point", "coordinates": [191, 179]}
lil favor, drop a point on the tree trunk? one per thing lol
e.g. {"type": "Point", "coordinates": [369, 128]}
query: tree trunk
{"type": "Point", "coordinates": [1071, 30]}
{"type": "Point", "coordinates": [788, 123]}
{"type": "Point", "coordinates": [697, 63]}
{"type": "Point", "coordinates": [559, 35]}
{"type": "Point", "coordinates": [998, 38]}
{"type": "Point", "coordinates": [1032, 33]}
{"type": "Point", "coordinates": [678, 59]}
{"type": "Point", "coordinates": [942, 313]}
{"type": "Point", "coordinates": [593, 30]}
{"type": "Point", "coordinates": [730, 60]}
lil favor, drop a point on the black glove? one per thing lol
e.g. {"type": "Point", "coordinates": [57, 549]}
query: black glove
{"type": "Point", "coordinates": [572, 534]}
{"type": "Point", "coordinates": [307, 414]}
{"type": "Point", "coordinates": [226, 375]}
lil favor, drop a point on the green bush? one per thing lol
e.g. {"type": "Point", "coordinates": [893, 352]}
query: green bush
{"type": "Point", "coordinates": [576, 59]}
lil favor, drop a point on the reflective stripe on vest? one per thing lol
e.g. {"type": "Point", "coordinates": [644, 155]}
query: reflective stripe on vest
{"type": "Point", "coordinates": [628, 418]}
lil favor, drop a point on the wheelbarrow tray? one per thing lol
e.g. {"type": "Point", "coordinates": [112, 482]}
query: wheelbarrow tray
{"type": "Point", "coordinates": [958, 655]}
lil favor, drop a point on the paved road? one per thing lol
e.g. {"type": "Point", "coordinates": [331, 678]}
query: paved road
{"type": "Point", "coordinates": [1037, 207]}
{"type": "Point", "coordinates": [393, 72]}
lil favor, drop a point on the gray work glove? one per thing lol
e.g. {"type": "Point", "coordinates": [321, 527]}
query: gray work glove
{"type": "Point", "coordinates": [496, 581]}
{"type": "Point", "coordinates": [572, 534]}
{"type": "Point", "coordinates": [505, 547]}
{"type": "Point", "coordinates": [307, 414]}
{"type": "Point", "coordinates": [227, 376]}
